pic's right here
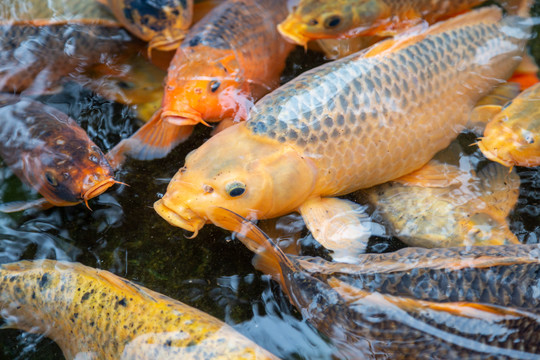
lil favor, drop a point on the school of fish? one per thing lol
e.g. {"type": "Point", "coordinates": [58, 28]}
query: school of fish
{"type": "Point", "coordinates": [361, 147]}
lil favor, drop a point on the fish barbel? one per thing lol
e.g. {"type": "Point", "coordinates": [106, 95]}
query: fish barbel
{"type": "Point", "coordinates": [164, 23]}
{"type": "Point", "coordinates": [228, 60]}
{"type": "Point", "coordinates": [349, 124]}
{"type": "Point", "coordinates": [50, 152]}
{"type": "Point", "coordinates": [512, 138]}
{"type": "Point", "coordinates": [316, 19]}
{"type": "Point", "coordinates": [95, 314]}
{"type": "Point", "coordinates": [451, 303]}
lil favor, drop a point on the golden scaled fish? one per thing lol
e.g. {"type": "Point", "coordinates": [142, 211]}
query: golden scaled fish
{"type": "Point", "coordinates": [316, 19]}
{"type": "Point", "coordinates": [50, 152]}
{"type": "Point", "coordinates": [441, 205]}
{"type": "Point", "coordinates": [346, 125]}
{"type": "Point", "coordinates": [512, 138]}
{"type": "Point", "coordinates": [229, 59]}
{"type": "Point", "coordinates": [163, 23]}
{"type": "Point", "coordinates": [41, 45]}
{"type": "Point", "coordinates": [477, 302]}
{"type": "Point", "coordinates": [94, 314]}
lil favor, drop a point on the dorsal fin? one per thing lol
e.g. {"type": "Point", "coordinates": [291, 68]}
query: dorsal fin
{"type": "Point", "coordinates": [489, 14]}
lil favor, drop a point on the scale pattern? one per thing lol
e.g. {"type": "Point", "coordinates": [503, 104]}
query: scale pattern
{"type": "Point", "coordinates": [367, 120]}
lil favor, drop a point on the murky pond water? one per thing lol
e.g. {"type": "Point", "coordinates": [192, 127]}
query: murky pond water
{"type": "Point", "coordinates": [212, 272]}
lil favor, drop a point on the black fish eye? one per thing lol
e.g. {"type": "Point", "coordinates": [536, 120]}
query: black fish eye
{"type": "Point", "coordinates": [51, 179]}
{"type": "Point", "coordinates": [332, 21]}
{"type": "Point", "coordinates": [235, 188]}
{"type": "Point", "coordinates": [214, 85]}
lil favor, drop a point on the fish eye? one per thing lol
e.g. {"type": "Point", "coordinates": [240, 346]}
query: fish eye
{"type": "Point", "coordinates": [214, 85]}
{"type": "Point", "coordinates": [528, 136]}
{"type": "Point", "coordinates": [235, 188]}
{"type": "Point", "coordinates": [332, 21]}
{"type": "Point", "coordinates": [51, 179]}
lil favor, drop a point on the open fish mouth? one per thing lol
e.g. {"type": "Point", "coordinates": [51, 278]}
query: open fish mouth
{"type": "Point", "coordinates": [183, 118]}
{"type": "Point", "coordinates": [165, 43]}
{"type": "Point", "coordinates": [99, 189]}
{"type": "Point", "coordinates": [186, 219]}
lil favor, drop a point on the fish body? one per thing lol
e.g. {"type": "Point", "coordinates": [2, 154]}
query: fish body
{"type": "Point", "coordinates": [349, 124]}
{"type": "Point", "coordinates": [163, 23]}
{"type": "Point", "coordinates": [94, 314]}
{"type": "Point", "coordinates": [512, 138]}
{"type": "Point", "coordinates": [470, 210]}
{"type": "Point", "coordinates": [227, 61]}
{"type": "Point", "coordinates": [42, 42]}
{"type": "Point", "coordinates": [477, 302]}
{"type": "Point", "coordinates": [316, 19]}
{"type": "Point", "coordinates": [50, 152]}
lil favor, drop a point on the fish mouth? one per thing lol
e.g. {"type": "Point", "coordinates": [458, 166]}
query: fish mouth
{"type": "Point", "coordinates": [493, 156]}
{"type": "Point", "coordinates": [98, 189]}
{"type": "Point", "coordinates": [286, 29]}
{"type": "Point", "coordinates": [165, 43]}
{"type": "Point", "coordinates": [183, 118]}
{"type": "Point", "coordinates": [183, 217]}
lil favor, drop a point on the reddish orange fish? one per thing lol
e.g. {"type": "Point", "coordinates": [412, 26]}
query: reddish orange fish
{"type": "Point", "coordinates": [231, 58]}
{"type": "Point", "coordinates": [47, 150]}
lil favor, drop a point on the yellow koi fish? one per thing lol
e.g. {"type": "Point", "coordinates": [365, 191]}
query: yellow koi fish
{"type": "Point", "coordinates": [443, 206]}
{"type": "Point", "coordinates": [370, 308]}
{"type": "Point", "coordinates": [94, 314]}
{"type": "Point", "coordinates": [512, 138]}
{"type": "Point", "coordinates": [350, 124]}
{"type": "Point", "coordinates": [316, 19]}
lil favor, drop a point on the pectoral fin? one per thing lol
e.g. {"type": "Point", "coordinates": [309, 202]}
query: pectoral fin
{"type": "Point", "coordinates": [16, 206]}
{"type": "Point", "coordinates": [434, 174]}
{"type": "Point", "coordinates": [339, 225]}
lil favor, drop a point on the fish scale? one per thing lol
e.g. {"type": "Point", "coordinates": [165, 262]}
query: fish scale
{"type": "Point", "coordinates": [371, 117]}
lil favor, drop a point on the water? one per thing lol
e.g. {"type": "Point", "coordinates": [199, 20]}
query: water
{"type": "Point", "coordinates": [212, 272]}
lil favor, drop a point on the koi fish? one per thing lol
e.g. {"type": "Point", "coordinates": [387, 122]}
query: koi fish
{"type": "Point", "coordinates": [163, 23]}
{"type": "Point", "coordinates": [315, 19]}
{"type": "Point", "coordinates": [94, 314]}
{"type": "Point", "coordinates": [346, 125]}
{"type": "Point", "coordinates": [228, 60]}
{"type": "Point", "coordinates": [441, 205]}
{"type": "Point", "coordinates": [50, 152]}
{"type": "Point", "coordinates": [39, 46]}
{"type": "Point", "coordinates": [512, 138]}
{"type": "Point", "coordinates": [420, 303]}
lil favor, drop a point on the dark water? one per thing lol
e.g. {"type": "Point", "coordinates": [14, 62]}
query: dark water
{"type": "Point", "coordinates": [212, 272]}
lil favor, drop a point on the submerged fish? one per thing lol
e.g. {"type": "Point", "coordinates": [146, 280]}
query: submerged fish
{"type": "Point", "coordinates": [94, 314]}
{"type": "Point", "coordinates": [40, 45]}
{"type": "Point", "coordinates": [163, 23]}
{"type": "Point", "coordinates": [414, 303]}
{"type": "Point", "coordinates": [50, 152]}
{"type": "Point", "coordinates": [349, 124]}
{"type": "Point", "coordinates": [231, 58]}
{"type": "Point", "coordinates": [440, 205]}
{"type": "Point", "coordinates": [512, 138]}
{"type": "Point", "coordinates": [316, 19]}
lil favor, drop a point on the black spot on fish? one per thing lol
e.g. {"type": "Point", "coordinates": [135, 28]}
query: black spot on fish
{"type": "Point", "coordinates": [328, 122]}
{"type": "Point", "coordinates": [340, 120]}
{"type": "Point", "coordinates": [122, 302]}
{"type": "Point", "coordinates": [85, 296]}
{"type": "Point", "coordinates": [292, 134]}
{"type": "Point", "coordinates": [281, 139]}
{"type": "Point", "coordinates": [17, 289]}
{"type": "Point", "coordinates": [196, 40]}
{"type": "Point", "coordinates": [44, 280]}
{"type": "Point", "coordinates": [324, 136]}
{"type": "Point", "coordinates": [168, 343]}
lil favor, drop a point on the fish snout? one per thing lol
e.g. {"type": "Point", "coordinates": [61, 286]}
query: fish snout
{"type": "Point", "coordinates": [291, 31]}
{"type": "Point", "coordinates": [183, 117]}
{"type": "Point", "coordinates": [179, 216]}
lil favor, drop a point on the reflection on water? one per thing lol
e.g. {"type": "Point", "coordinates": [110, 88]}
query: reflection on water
{"type": "Point", "coordinates": [213, 273]}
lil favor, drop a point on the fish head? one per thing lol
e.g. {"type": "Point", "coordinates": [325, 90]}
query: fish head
{"type": "Point", "coordinates": [512, 137]}
{"type": "Point", "coordinates": [315, 19]}
{"type": "Point", "coordinates": [69, 170]}
{"type": "Point", "coordinates": [209, 90]}
{"type": "Point", "coordinates": [483, 228]}
{"type": "Point", "coordinates": [249, 175]}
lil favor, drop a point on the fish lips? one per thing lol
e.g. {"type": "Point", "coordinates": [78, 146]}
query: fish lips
{"type": "Point", "coordinates": [181, 217]}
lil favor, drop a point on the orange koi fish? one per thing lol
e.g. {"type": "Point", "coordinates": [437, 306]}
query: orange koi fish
{"type": "Point", "coordinates": [229, 59]}
{"type": "Point", "coordinates": [365, 309]}
{"type": "Point", "coordinates": [316, 19]}
{"type": "Point", "coordinates": [512, 138]}
{"type": "Point", "coordinates": [163, 23]}
{"type": "Point", "coordinates": [94, 314]}
{"type": "Point", "coordinates": [50, 152]}
{"type": "Point", "coordinates": [350, 124]}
